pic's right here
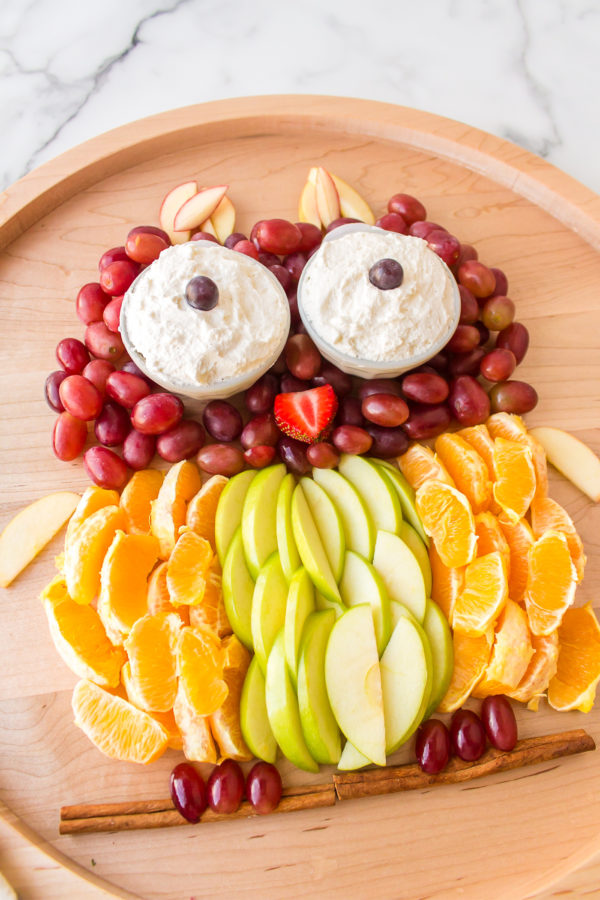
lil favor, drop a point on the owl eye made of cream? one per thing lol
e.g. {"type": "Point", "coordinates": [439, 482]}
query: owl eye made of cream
{"type": "Point", "coordinates": [386, 274]}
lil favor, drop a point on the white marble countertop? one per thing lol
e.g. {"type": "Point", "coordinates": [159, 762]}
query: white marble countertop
{"type": "Point", "coordinates": [526, 70]}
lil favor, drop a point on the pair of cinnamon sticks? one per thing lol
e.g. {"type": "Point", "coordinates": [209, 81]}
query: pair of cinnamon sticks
{"type": "Point", "coordinates": [99, 817]}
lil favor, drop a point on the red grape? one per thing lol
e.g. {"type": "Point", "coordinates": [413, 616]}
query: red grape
{"type": "Point", "coordinates": [115, 254]}
{"type": "Point", "coordinates": [484, 333]}
{"type": "Point", "coordinates": [97, 371]}
{"type": "Point", "coordinates": [323, 455]}
{"type": "Point", "coordinates": [220, 459]}
{"type": "Point", "coordinates": [80, 397]}
{"type": "Point", "coordinates": [268, 259]}
{"type": "Point", "coordinates": [118, 276]}
{"type": "Point", "coordinates": [103, 343]}
{"type": "Point", "coordinates": [105, 468]}
{"type": "Point", "coordinates": [408, 207]}
{"type": "Point", "coordinates": [466, 363]}
{"type": "Point", "coordinates": [282, 275]}
{"type": "Point", "coordinates": [138, 449]}
{"type": "Point", "coordinates": [393, 222]}
{"type": "Point", "coordinates": [468, 401]}
{"type": "Point", "coordinates": [90, 302]}
{"type": "Point", "coordinates": [259, 456]}
{"type": "Point", "coordinates": [342, 220]}
{"type": "Point", "coordinates": [432, 746]}
{"type": "Point", "coordinates": [501, 282]}
{"type": "Point", "coordinates": [302, 357]}
{"type": "Point", "coordinates": [222, 420]}
{"type": "Point", "coordinates": [112, 314]}
{"type": "Point", "coordinates": [385, 409]}
{"type": "Point", "coordinates": [295, 263]}
{"type": "Point", "coordinates": [72, 355]}
{"type": "Point", "coordinates": [498, 364]}
{"type": "Point", "coordinates": [145, 246]}
{"type": "Point", "coordinates": [151, 229]}
{"type": "Point", "coordinates": [469, 307]}
{"type": "Point", "coordinates": [425, 387]}
{"type": "Point", "coordinates": [51, 390]}
{"type": "Point", "coordinates": [156, 413]}
{"type": "Point", "coordinates": [351, 439]}
{"type": "Point", "coordinates": [131, 367]}
{"type": "Point", "coordinates": [511, 397]}
{"type": "Point", "coordinates": [112, 425]}
{"type": "Point", "coordinates": [260, 396]}
{"type": "Point", "coordinates": [290, 384]}
{"type": "Point", "coordinates": [340, 381]}
{"type": "Point", "coordinates": [497, 313]}
{"type": "Point", "coordinates": [278, 367]}
{"type": "Point", "coordinates": [439, 362]}
{"type": "Point", "coordinates": [379, 386]}
{"type": "Point", "coordinates": [466, 253]}
{"type": "Point", "coordinates": [295, 319]}
{"type": "Point", "coordinates": [479, 279]}
{"type": "Point", "coordinates": [350, 412]}
{"type": "Point", "coordinates": [445, 245]}
{"type": "Point", "coordinates": [247, 248]}
{"type": "Point", "coordinates": [464, 339]}
{"type": "Point", "coordinates": [68, 437]}
{"type": "Point", "coordinates": [260, 431]}
{"type": "Point", "coordinates": [225, 787]}
{"type": "Point", "coordinates": [263, 787]}
{"type": "Point", "coordinates": [311, 237]}
{"type": "Point", "coordinates": [204, 236]}
{"type": "Point", "coordinates": [277, 236]}
{"type": "Point", "coordinates": [499, 722]}
{"type": "Point", "coordinates": [467, 735]}
{"type": "Point", "coordinates": [180, 442]}
{"type": "Point", "coordinates": [427, 421]}
{"type": "Point", "coordinates": [126, 389]}
{"type": "Point", "coordinates": [422, 229]}
{"type": "Point", "coordinates": [234, 239]}
{"type": "Point", "coordinates": [188, 792]}
{"type": "Point", "coordinates": [514, 337]}
{"type": "Point", "coordinates": [293, 454]}
{"type": "Point", "coordinates": [387, 441]}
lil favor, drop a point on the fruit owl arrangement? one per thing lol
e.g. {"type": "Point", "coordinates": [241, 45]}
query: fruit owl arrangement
{"type": "Point", "coordinates": [350, 540]}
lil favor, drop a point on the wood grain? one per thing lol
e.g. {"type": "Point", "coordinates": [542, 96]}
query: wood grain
{"type": "Point", "coordinates": [537, 224]}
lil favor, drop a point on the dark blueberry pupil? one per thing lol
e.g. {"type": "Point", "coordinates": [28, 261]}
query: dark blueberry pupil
{"type": "Point", "coordinates": [386, 274]}
{"type": "Point", "coordinates": [202, 293]}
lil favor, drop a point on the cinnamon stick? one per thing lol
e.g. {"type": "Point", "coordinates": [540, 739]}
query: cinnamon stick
{"type": "Point", "coordinates": [528, 752]}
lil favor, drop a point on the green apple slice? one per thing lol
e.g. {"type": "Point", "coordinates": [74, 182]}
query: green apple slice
{"type": "Point", "coordinates": [254, 720]}
{"type": "Point", "coordinates": [419, 550]}
{"type": "Point", "coordinates": [319, 726]}
{"type": "Point", "coordinates": [328, 522]}
{"type": "Point", "coordinates": [356, 521]}
{"type": "Point", "coordinates": [268, 608]}
{"type": "Point", "coordinates": [397, 611]}
{"type": "Point", "coordinates": [238, 590]}
{"type": "Point", "coordinates": [406, 675]}
{"type": "Point", "coordinates": [288, 552]}
{"type": "Point", "coordinates": [311, 549]}
{"type": "Point", "coordinates": [380, 497]}
{"type": "Point", "coordinates": [229, 511]}
{"type": "Point", "coordinates": [435, 626]}
{"type": "Point", "coordinates": [259, 517]}
{"type": "Point", "coordinates": [300, 604]}
{"type": "Point", "coordinates": [400, 572]}
{"type": "Point", "coordinates": [361, 583]}
{"type": "Point", "coordinates": [282, 709]}
{"type": "Point", "coordinates": [406, 496]}
{"type": "Point", "coordinates": [352, 759]}
{"type": "Point", "coordinates": [322, 602]}
{"type": "Point", "coordinates": [353, 682]}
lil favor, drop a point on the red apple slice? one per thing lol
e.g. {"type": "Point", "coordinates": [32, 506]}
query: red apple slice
{"type": "Point", "coordinates": [223, 219]}
{"type": "Point", "coordinates": [328, 201]}
{"type": "Point", "coordinates": [352, 204]}
{"type": "Point", "coordinates": [198, 208]}
{"type": "Point", "coordinates": [209, 228]}
{"type": "Point", "coordinates": [171, 205]}
{"type": "Point", "coordinates": [307, 206]}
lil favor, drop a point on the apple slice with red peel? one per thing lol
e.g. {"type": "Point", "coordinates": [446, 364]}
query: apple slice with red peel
{"type": "Point", "coordinates": [307, 206]}
{"type": "Point", "coordinates": [328, 201]}
{"type": "Point", "coordinates": [208, 228]}
{"type": "Point", "coordinates": [223, 219]}
{"type": "Point", "coordinates": [352, 205]}
{"type": "Point", "coordinates": [199, 208]}
{"type": "Point", "coordinates": [171, 205]}
{"type": "Point", "coordinates": [572, 457]}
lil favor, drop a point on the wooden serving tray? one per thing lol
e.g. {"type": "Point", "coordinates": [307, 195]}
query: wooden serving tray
{"type": "Point", "coordinates": [508, 836]}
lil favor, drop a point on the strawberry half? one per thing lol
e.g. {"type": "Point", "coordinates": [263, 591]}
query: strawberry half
{"type": "Point", "coordinates": [306, 415]}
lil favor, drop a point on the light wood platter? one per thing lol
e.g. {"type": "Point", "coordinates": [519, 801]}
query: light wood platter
{"type": "Point", "coordinates": [508, 836]}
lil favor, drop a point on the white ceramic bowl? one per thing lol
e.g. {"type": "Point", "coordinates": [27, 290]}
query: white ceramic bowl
{"type": "Point", "coordinates": [372, 368]}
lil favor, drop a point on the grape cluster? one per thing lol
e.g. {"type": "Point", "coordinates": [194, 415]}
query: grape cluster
{"type": "Point", "coordinates": [225, 788]}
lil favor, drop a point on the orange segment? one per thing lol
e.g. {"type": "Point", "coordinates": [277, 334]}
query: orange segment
{"type": "Point", "coordinates": [139, 492]}
{"type": "Point", "coordinates": [200, 669]}
{"type": "Point", "coordinates": [168, 511]}
{"type": "Point", "coordinates": [512, 428]}
{"type": "Point", "coordinates": [92, 499]}
{"type": "Point", "coordinates": [467, 469]}
{"type": "Point", "coordinates": [448, 519]}
{"type": "Point", "coordinates": [225, 722]}
{"type": "Point", "coordinates": [188, 569]}
{"type": "Point", "coordinates": [151, 646]}
{"type": "Point", "coordinates": [116, 727]}
{"type": "Point", "coordinates": [159, 599]}
{"type": "Point", "coordinates": [490, 537]}
{"type": "Point", "coordinates": [419, 464]}
{"type": "Point", "coordinates": [511, 653]}
{"type": "Point", "coordinates": [202, 508]}
{"type": "Point", "coordinates": [211, 609]}
{"type": "Point", "coordinates": [484, 594]}
{"type": "Point", "coordinates": [548, 514]}
{"type": "Point", "coordinates": [551, 583]}
{"type": "Point", "coordinates": [86, 550]}
{"type": "Point", "coordinates": [519, 538]}
{"type": "Point", "coordinates": [447, 583]}
{"type": "Point", "coordinates": [197, 739]}
{"type": "Point", "coordinates": [166, 719]}
{"type": "Point", "coordinates": [578, 670]}
{"type": "Point", "coordinates": [80, 638]}
{"type": "Point", "coordinates": [480, 440]}
{"type": "Point", "coordinates": [540, 670]}
{"type": "Point", "coordinates": [124, 587]}
{"type": "Point", "coordinates": [514, 487]}
{"type": "Point", "coordinates": [471, 655]}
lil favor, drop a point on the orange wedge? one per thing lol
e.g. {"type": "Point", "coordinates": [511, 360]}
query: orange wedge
{"type": "Point", "coordinates": [124, 587]}
{"type": "Point", "coordinates": [471, 655]}
{"type": "Point", "coordinates": [138, 494]}
{"type": "Point", "coordinates": [419, 464]}
{"type": "Point", "coordinates": [483, 596]}
{"type": "Point", "coordinates": [188, 569]}
{"type": "Point", "coordinates": [551, 583]}
{"type": "Point", "coordinates": [447, 583]}
{"type": "Point", "coordinates": [200, 669]}
{"type": "Point", "coordinates": [117, 728]}
{"type": "Point", "coordinates": [467, 469]}
{"type": "Point", "coordinates": [92, 499]}
{"type": "Point", "coordinates": [490, 537]}
{"type": "Point", "coordinates": [548, 514]}
{"type": "Point", "coordinates": [511, 653]}
{"type": "Point", "coordinates": [166, 719]}
{"type": "Point", "coordinates": [541, 669]}
{"type": "Point", "coordinates": [168, 511]}
{"type": "Point", "coordinates": [448, 519]}
{"type": "Point", "coordinates": [514, 487]}
{"type": "Point", "coordinates": [519, 538]}
{"type": "Point", "coordinates": [480, 440]}
{"type": "Point", "coordinates": [202, 508]}
{"type": "Point", "coordinates": [86, 550]}
{"type": "Point", "coordinates": [512, 428]}
{"type": "Point", "coordinates": [225, 722]}
{"type": "Point", "coordinates": [211, 609]}
{"type": "Point", "coordinates": [151, 647]}
{"type": "Point", "coordinates": [578, 669]}
{"type": "Point", "coordinates": [80, 638]}
{"type": "Point", "coordinates": [197, 739]}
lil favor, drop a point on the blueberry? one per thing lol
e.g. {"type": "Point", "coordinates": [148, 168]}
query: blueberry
{"type": "Point", "coordinates": [386, 274]}
{"type": "Point", "coordinates": [202, 293]}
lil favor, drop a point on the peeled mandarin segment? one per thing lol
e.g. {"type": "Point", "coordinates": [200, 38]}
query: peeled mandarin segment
{"type": "Point", "coordinates": [168, 511]}
{"type": "Point", "coordinates": [124, 587]}
{"type": "Point", "coordinates": [92, 499]}
{"type": "Point", "coordinates": [166, 719]}
{"type": "Point", "coordinates": [196, 736]}
{"type": "Point", "coordinates": [551, 583]}
{"type": "Point", "coordinates": [484, 595]}
{"type": "Point", "coordinates": [512, 428]}
{"type": "Point", "coordinates": [225, 722]}
{"type": "Point", "coordinates": [471, 655]}
{"type": "Point", "coordinates": [448, 519]}
{"type": "Point", "coordinates": [514, 487]}
{"type": "Point", "coordinates": [80, 638]}
{"type": "Point", "coordinates": [479, 438]}
{"type": "Point", "coordinates": [541, 669]}
{"type": "Point", "coordinates": [200, 668]}
{"type": "Point", "coordinates": [159, 599]}
{"type": "Point", "coordinates": [511, 653]}
{"type": "Point", "coordinates": [548, 514]}
{"type": "Point", "coordinates": [490, 538]}
{"type": "Point", "coordinates": [188, 569]}
{"type": "Point", "coordinates": [86, 551]}
{"type": "Point", "coordinates": [117, 728]}
{"type": "Point", "coordinates": [139, 492]}
{"type": "Point", "coordinates": [578, 669]}
{"type": "Point", "coordinates": [467, 469]}
{"type": "Point", "coordinates": [211, 609]}
{"type": "Point", "coordinates": [519, 537]}
{"type": "Point", "coordinates": [151, 647]}
{"type": "Point", "coordinates": [447, 583]}
{"type": "Point", "coordinates": [419, 464]}
{"type": "Point", "coordinates": [202, 508]}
